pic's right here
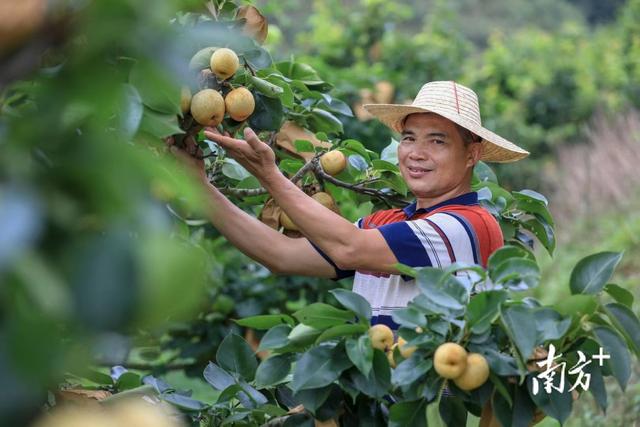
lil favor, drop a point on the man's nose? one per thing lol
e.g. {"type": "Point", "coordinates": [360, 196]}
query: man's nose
{"type": "Point", "coordinates": [419, 154]}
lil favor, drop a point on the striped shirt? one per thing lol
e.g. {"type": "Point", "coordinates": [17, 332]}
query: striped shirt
{"type": "Point", "coordinates": [456, 230]}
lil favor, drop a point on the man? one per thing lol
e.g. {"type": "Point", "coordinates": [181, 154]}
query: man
{"type": "Point", "coordinates": [441, 141]}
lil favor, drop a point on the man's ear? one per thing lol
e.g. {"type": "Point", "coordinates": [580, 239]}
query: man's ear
{"type": "Point", "coordinates": [475, 152]}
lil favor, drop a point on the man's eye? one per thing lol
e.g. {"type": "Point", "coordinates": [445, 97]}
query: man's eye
{"type": "Point", "coordinates": [439, 141]}
{"type": "Point", "coordinates": [407, 139]}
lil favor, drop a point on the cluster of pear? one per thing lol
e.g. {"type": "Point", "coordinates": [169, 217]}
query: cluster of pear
{"type": "Point", "coordinates": [208, 107]}
{"type": "Point", "coordinates": [382, 338]}
{"type": "Point", "coordinates": [450, 360]}
{"type": "Point", "coordinates": [128, 413]}
{"type": "Point", "coordinates": [332, 162]}
{"type": "Point", "coordinates": [467, 370]}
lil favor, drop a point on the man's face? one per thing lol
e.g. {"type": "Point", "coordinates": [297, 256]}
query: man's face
{"type": "Point", "coordinates": [432, 156]}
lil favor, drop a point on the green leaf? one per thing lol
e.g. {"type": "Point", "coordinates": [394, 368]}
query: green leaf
{"type": "Point", "coordinates": [408, 414]}
{"type": "Point", "coordinates": [291, 166]}
{"type": "Point", "coordinates": [303, 335]}
{"type": "Point", "coordinates": [390, 152]}
{"type": "Point", "coordinates": [319, 367]}
{"type": "Point", "coordinates": [131, 110]}
{"type": "Point", "coordinates": [314, 398]}
{"type": "Point", "coordinates": [442, 289]}
{"type": "Point", "coordinates": [505, 253]}
{"type": "Point", "coordinates": [620, 294]}
{"type": "Point", "coordinates": [410, 317]}
{"type": "Point", "coordinates": [383, 165]}
{"type": "Point", "coordinates": [533, 203]}
{"type": "Point", "coordinates": [157, 90]}
{"type": "Point", "coordinates": [613, 345]}
{"type": "Point", "coordinates": [516, 273]}
{"type": "Point", "coordinates": [592, 272]}
{"type": "Point", "coordinates": [452, 411]}
{"type": "Point", "coordinates": [217, 377]}
{"type": "Point", "coordinates": [626, 322]}
{"type": "Point", "coordinates": [484, 173]}
{"type": "Point", "coordinates": [273, 370]}
{"type": "Point", "coordinates": [232, 169]}
{"type": "Point", "coordinates": [184, 402]}
{"type": "Point", "coordinates": [323, 121]}
{"type": "Point", "coordinates": [235, 355]}
{"type": "Point", "coordinates": [266, 88]}
{"type": "Point", "coordinates": [360, 353]}
{"type": "Point", "coordinates": [483, 309]}
{"type": "Point", "coordinates": [265, 321]}
{"type": "Point", "coordinates": [518, 320]}
{"type": "Point", "coordinates": [378, 382]}
{"type": "Point", "coordinates": [354, 302]}
{"type": "Point", "coordinates": [322, 316]}
{"type": "Point", "coordinates": [128, 381]}
{"type": "Point", "coordinates": [159, 125]}
{"type": "Point", "coordinates": [276, 337]}
{"type": "Point", "coordinates": [550, 325]}
{"type": "Point", "coordinates": [303, 146]}
{"type": "Point", "coordinates": [411, 369]}
{"type": "Point", "coordinates": [543, 232]}
{"type": "Point", "coordinates": [268, 114]}
{"type": "Point", "coordinates": [341, 331]}
{"type": "Point", "coordinates": [577, 305]}
{"type": "Point", "coordinates": [257, 57]}
{"type": "Point", "coordinates": [555, 404]}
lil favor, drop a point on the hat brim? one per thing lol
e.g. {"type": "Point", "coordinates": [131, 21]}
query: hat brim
{"type": "Point", "coordinates": [495, 148]}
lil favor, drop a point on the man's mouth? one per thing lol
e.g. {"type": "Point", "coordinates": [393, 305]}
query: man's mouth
{"type": "Point", "coordinates": [417, 172]}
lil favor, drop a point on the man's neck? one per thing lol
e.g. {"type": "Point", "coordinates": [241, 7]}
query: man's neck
{"type": "Point", "coordinates": [427, 202]}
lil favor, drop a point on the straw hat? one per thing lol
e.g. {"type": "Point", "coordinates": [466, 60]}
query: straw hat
{"type": "Point", "coordinates": [457, 103]}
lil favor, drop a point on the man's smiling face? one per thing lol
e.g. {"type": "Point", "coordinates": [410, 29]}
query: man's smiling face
{"type": "Point", "coordinates": [434, 160]}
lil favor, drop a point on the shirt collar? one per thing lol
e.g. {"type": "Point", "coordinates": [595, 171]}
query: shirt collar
{"type": "Point", "coordinates": [463, 199]}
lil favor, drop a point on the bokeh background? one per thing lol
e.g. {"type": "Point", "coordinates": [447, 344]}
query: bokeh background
{"type": "Point", "coordinates": [91, 263]}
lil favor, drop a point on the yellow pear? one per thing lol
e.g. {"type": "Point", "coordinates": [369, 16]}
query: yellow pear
{"type": "Point", "coordinates": [207, 107]}
{"type": "Point", "coordinates": [185, 99]}
{"type": "Point", "coordinates": [333, 162]}
{"type": "Point", "coordinates": [287, 223]}
{"type": "Point", "coordinates": [137, 412]}
{"type": "Point", "coordinates": [381, 336]}
{"type": "Point", "coordinates": [224, 63]}
{"type": "Point", "coordinates": [406, 351]}
{"type": "Point", "coordinates": [450, 360]}
{"type": "Point", "coordinates": [81, 416]}
{"type": "Point", "coordinates": [325, 200]}
{"type": "Point", "coordinates": [239, 104]}
{"type": "Point", "coordinates": [475, 374]}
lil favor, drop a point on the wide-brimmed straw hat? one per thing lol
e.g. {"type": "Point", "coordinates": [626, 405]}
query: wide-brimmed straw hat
{"type": "Point", "coordinates": [457, 103]}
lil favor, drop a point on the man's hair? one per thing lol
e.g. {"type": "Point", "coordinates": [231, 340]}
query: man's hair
{"type": "Point", "coordinates": [467, 136]}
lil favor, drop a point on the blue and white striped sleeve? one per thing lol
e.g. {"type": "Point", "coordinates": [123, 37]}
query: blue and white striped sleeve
{"type": "Point", "coordinates": [436, 241]}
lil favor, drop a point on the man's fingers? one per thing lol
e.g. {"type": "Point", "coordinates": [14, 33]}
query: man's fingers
{"type": "Point", "coordinates": [225, 142]}
{"type": "Point", "coordinates": [251, 138]}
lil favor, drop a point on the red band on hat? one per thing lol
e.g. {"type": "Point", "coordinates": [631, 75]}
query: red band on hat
{"type": "Point", "coordinates": [455, 92]}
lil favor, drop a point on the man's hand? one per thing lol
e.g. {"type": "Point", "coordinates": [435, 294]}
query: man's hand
{"type": "Point", "coordinates": [254, 155]}
{"type": "Point", "coordinates": [190, 157]}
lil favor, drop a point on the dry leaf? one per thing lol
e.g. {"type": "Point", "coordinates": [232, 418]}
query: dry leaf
{"type": "Point", "coordinates": [256, 25]}
{"type": "Point", "coordinates": [82, 396]}
{"type": "Point", "coordinates": [383, 93]}
{"type": "Point", "coordinates": [291, 132]}
{"type": "Point", "coordinates": [270, 214]}
{"type": "Point", "coordinates": [18, 20]}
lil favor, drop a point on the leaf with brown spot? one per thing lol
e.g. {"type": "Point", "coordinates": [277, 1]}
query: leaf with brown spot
{"type": "Point", "coordinates": [291, 132]}
{"type": "Point", "coordinates": [256, 24]}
